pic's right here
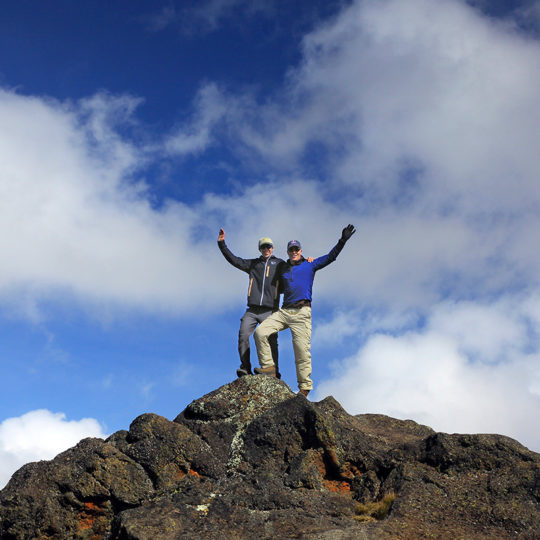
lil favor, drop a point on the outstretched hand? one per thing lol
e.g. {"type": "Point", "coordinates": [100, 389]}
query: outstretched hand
{"type": "Point", "coordinates": [221, 235]}
{"type": "Point", "coordinates": [347, 232]}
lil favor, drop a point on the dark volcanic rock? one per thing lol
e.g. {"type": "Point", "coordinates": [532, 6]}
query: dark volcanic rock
{"type": "Point", "coordinates": [254, 459]}
{"type": "Point", "coordinates": [79, 492]}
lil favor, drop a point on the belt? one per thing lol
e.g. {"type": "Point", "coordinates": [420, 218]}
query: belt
{"type": "Point", "coordinates": [299, 304]}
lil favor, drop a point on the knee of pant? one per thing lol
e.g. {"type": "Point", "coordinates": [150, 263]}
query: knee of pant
{"type": "Point", "coordinates": [243, 344]}
{"type": "Point", "coordinates": [243, 336]}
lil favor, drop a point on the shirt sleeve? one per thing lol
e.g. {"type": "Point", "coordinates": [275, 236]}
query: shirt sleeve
{"type": "Point", "coordinates": [325, 260]}
{"type": "Point", "coordinates": [237, 262]}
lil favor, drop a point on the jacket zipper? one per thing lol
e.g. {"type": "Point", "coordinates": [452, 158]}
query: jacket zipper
{"type": "Point", "coordinates": [264, 279]}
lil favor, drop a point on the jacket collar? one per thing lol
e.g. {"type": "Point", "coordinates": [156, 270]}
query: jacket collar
{"type": "Point", "coordinates": [300, 261]}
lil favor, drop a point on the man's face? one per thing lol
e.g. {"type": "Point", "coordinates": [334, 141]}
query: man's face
{"type": "Point", "coordinates": [295, 254]}
{"type": "Point", "coordinates": [266, 250]}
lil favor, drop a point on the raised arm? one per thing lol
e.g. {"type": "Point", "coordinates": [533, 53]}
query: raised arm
{"type": "Point", "coordinates": [325, 260]}
{"type": "Point", "coordinates": [237, 262]}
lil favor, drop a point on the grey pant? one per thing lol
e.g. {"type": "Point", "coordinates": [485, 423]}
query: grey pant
{"type": "Point", "coordinates": [252, 317]}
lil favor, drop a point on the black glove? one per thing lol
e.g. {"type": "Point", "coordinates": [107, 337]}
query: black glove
{"type": "Point", "coordinates": [347, 232]}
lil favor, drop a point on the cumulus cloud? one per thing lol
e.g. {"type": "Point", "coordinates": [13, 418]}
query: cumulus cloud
{"type": "Point", "coordinates": [472, 368]}
{"type": "Point", "coordinates": [196, 136]}
{"type": "Point", "coordinates": [77, 222]}
{"type": "Point", "coordinates": [40, 435]}
{"type": "Point", "coordinates": [428, 131]}
{"type": "Point", "coordinates": [342, 326]}
{"type": "Point", "coordinates": [75, 219]}
{"type": "Point", "coordinates": [428, 96]}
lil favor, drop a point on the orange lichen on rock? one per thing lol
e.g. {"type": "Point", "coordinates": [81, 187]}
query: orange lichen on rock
{"type": "Point", "coordinates": [337, 486]}
{"type": "Point", "coordinates": [88, 516]}
{"type": "Point", "coordinates": [329, 480]}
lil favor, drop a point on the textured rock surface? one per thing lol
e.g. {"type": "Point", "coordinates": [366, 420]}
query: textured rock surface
{"type": "Point", "coordinates": [254, 459]}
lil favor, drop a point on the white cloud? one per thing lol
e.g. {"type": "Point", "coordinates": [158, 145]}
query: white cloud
{"type": "Point", "coordinates": [355, 324]}
{"type": "Point", "coordinates": [449, 99]}
{"type": "Point", "coordinates": [196, 136]}
{"type": "Point", "coordinates": [341, 326]}
{"type": "Point", "coordinates": [74, 220]}
{"type": "Point", "coordinates": [473, 368]}
{"type": "Point", "coordinates": [490, 332]}
{"type": "Point", "coordinates": [430, 93]}
{"type": "Point", "coordinates": [76, 224]}
{"type": "Point", "coordinates": [430, 128]}
{"type": "Point", "coordinates": [40, 435]}
{"type": "Point", "coordinates": [431, 153]}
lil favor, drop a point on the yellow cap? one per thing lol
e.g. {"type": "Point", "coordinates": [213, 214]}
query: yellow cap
{"type": "Point", "coordinates": [265, 240]}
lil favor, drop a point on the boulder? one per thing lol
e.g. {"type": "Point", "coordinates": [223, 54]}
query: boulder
{"type": "Point", "coordinates": [253, 458]}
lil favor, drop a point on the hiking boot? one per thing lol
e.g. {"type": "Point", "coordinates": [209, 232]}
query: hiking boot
{"type": "Point", "coordinates": [242, 372]}
{"type": "Point", "coordinates": [303, 392]}
{"type": "Point", "coordinates": [266, 371]}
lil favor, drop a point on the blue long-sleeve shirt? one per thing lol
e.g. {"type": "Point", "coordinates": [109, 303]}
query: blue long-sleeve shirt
{"type": "Point", "coordinates": [297, 279]}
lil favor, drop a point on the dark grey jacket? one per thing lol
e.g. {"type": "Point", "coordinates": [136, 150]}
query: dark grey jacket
{"type": "Point", "coordinates": [263, 273]}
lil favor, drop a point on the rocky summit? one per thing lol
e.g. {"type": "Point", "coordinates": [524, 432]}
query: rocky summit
{"type": "Point", "coordinates": [254, 460]}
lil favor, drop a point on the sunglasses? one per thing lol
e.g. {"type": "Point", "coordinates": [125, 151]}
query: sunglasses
{"type": "Point", "coordinates": [293, 250]}
{"type": "Point", "coordinates": [266, 246]}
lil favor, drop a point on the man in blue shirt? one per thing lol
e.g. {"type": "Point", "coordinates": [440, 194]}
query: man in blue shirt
{"type": "Point", "coordinates": [296, 283]}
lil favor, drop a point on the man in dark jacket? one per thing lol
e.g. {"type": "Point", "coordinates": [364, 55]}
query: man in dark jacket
{"type": "Point", "coordinates": [262, 299]}
{"type": "Point", "coordinates": [296, 280]}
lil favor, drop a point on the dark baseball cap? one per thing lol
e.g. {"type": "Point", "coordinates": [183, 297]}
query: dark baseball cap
{"type": "Point", "coordinates": [294, 243]}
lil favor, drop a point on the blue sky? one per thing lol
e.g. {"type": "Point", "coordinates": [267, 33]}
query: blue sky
{"type": "Point", "coordinates": [132, 131]}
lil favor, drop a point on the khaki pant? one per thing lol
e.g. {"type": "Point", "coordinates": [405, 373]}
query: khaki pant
{"type": "Point", "coordinates": [299, 322]}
